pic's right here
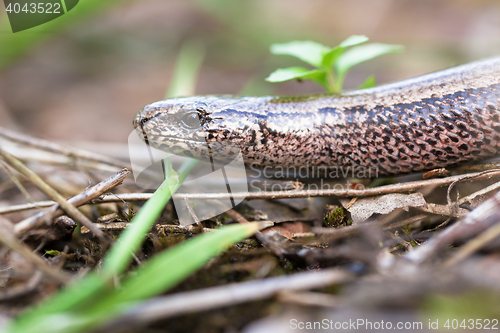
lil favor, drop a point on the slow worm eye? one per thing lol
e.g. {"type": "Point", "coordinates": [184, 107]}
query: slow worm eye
{"type": "Point", "coordinates": [192, 120]}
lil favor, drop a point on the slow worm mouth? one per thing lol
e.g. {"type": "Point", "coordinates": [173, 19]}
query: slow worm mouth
{"type": "Point", "coordinates": [155, 139]}
{"type": "Point", "coordinates": [176, 140]}
{"type": "Point", "coordinates": [139, 120]}
{"type": "Point", "coordinates": [215, 152]}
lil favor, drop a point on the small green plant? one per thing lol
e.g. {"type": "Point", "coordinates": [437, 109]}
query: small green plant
{"type": "Point", "coordinates": [332, 64]}
{"type": "Point", "coordinates": [334, 216]}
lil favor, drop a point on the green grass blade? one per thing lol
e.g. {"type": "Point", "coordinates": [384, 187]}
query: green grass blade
{"type": "Point", "coordinates": [183, 82]}
{"type": "Point", "coordinates": [170, 267]}
{"type": "Point", "coordinates": [130, 240]}
{"type": "Point", "coordinates": [94, 286]}
{"type": "Point", "coordinates": [156, 276]}
{"type": "Point", "coordinates": [60, 312]}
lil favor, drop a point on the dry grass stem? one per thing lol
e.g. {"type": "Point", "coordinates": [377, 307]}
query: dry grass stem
{"type": "Point", "coordinates": [226, 295]}
{"type": "Point", "coordinates": [60, 149]}
{"type": "Point", "coordinates": [474, 223]}
{"type": "Point", "coordinates": [50, 192]}
{"type": "Point", "coordinates": [78, 200]}
{"type": "Point", "coordinates": [393, 188]}
{"type": "Point", "coordinates": [386, 189]}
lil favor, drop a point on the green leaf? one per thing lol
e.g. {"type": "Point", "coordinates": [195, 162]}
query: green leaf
{"type": "Point", "coordinates": [285, 74]}
{"type": "Point", "coordinates": [52, 252]}
{"type": "Point", "coordinates": [359, 54]}
{"type": "Point", "coordinates": [331, 56]}
{"type": "Point", "coordinates": [362, 53]}
{"type": "Point", "coordinates": [354, 40]}
{"type": "Point", "coordinates": [290, 73]}
{"type": "Point", "coordinates": [299, 73]}
{"type": "Point", "coordinates": [308, 51]}
{"type": "Point", "coordinates": [370, 82]}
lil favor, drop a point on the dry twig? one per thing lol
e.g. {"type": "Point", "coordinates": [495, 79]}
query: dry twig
{"type": "Point", "coordinates": [168, 228]}
{"type": "Point", "coordinates": [53, 194]}
{"type": "Point", "coordinates": [474, 245]}
{"type": "Point", "coordinates": [78, 200]}
{"type": "Point", "coordinates": [483, 191]}
{"type": "Point", "coordinates": [442, 210]}
{"type": "Point", "coordinates": [393, 188]}
{"type": "Point", "coordinates": [309, 298]}
{"type": "Point", "coordinates": [231, 294]}
{"type": "Point", "coordinates": [60, 149]}
{"type": "Point", "coordinates": [277, 250]}
{"type": "Point", "coordinates": [474, 223]}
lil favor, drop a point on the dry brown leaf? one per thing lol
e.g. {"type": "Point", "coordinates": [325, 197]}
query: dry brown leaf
{"type": "Point", "coordinates": [363, 208]}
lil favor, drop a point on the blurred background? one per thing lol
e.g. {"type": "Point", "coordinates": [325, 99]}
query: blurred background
{"type": "Point", "coordinates": [80, 79]}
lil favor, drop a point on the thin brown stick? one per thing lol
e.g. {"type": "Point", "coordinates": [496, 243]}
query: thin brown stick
{"type": "Point", "coordinates": [309, 298]}
{"type": "Point", "coordinates": [478, 167]}
{"type": "Point", "coordinates": [168, 228]}
{"type": "Point", "coordinates": [227, 295]}
{"type": "Point", "coordinates": [442, 210]}
{"type": "Point", "coordinates": [53, 194]}
{"type": "Point", "coordinates": [473, 224]}
{"type": "Point", "coordinates": [78, 200]}
{"type": "Point", "coordinates": [105, 198]}
{"type": "Point", "coordinates": [483, 191]}
{"type": "Point", "coordinates": [17, 183]}
{"type": "Point", "coordinates": [393, 188]}
{"type": "Point", "coordinates": [29, 154]}
{"type": "Point", "coordinates": [60, 149]}
{"type": "Point", "coordinates": [405, 222]}
{"type": "Point", "coordinates": [27, 206]}
{"type": "Point", "coordinates": [191, 211]}
{"type": "Point", "coordinates": [473, 245]}
{"type": "Point", "coordinates": [330, 234]}
{"type": "Point", "coordinates": [236, 216]}
{"type": "Point", "coordinates": [275, 248]}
